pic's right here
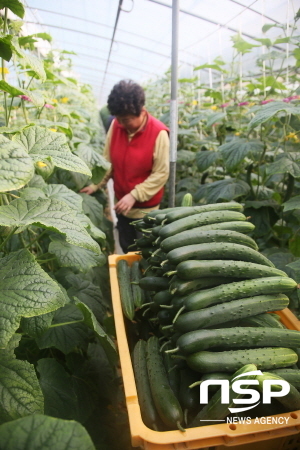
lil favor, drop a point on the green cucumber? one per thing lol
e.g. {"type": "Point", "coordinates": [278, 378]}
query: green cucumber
{"type": "Point", "coordinates": [154, 283]}
{"type": "Point", "coordinates": [126, 297]}
{"type": "Point", "coordinates": [205, 218]}
{"type": "Point", "coordinates": [172, 371]}
{"type": "Point", "coordinates": [238, 337]}
{"type": "Point", "coordinates": [165, 316]}
{"type": "Point", "coordinates": [262, 320]}
{"type": "Point", "coordinates": [165, 401]}
{"type": "Point", "coordinates": [291, 401]}
{"type": "Point", "coordinates": [148, 411]}
{"type": "Point", "coordinates": [200, 236]}
{"type": "Point", "coordinates": [180, 287]}
{"type": "Point", "coordinates": [147, 252]}
{"type": "Point", "coordinates": [137, 293]}
{"type": "Point", "coordinates": [239, 289]}
{"type": "Point", "coordinates": [187, 200]}
{"type": "Point", "coordinates": [241, 227]}
{"type": "Point", "coordinates": [231, 360]}
{"type": "Point", "coordinates": [161, 298]}
{"type": "Point", "coordinates": [145, 241]}
{"type": "Point", "coordinates": [225, 312]}
{"type": "Point", "coordinates": [141, 225]}
{"type": "Point", "coordinates": [188, 398]}
{"type": "Point", "coordinates": [155, 231]}
{"type": "Point", "coordinates": [214, 409]}
{"type": "Point", "coordinates": [217, 250]}
{"type": "Point", "coordinates": [290, 375]}
{"type": "Point", "coordinates": [189, 270]}
{"type": "Point", "coordinates": [150, 216]}
{"type": "Point", "coordinates": [214, 376]}
{"type": "Point", "coordinates": [181, 213]}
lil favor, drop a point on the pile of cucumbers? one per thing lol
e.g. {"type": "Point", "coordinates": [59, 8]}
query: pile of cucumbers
{"type": "Point", "coordinates": [205, 295]}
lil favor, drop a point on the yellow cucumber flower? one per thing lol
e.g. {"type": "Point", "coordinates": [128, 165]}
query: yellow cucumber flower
{"type": "Point", "coordinates": [40, 164]}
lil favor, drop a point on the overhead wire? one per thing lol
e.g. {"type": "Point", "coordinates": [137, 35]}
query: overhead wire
{"type": "Point", "coordinates": [113, 38]}
{"type": "Point", "coordinates": [197, 16]}
{"type": "Point", "coordinates": [101, 24]}
{"type": "Point", "coordinates": [101, 37]}
{"type": "Point", "coordinates": [114, 62]}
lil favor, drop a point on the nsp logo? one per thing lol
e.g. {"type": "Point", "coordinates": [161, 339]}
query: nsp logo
{"type": "Point", "coordinates": [235, 385]}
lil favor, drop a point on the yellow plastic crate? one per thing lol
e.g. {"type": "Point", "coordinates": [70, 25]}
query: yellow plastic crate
{"type": "Point", "coordinates": [211, 437]}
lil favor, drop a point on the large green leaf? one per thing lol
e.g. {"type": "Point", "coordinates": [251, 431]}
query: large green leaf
{"type": "Point", "coordinates": [235, 151]}
{"type": "Point", "coordinates": [5, 47]}
{"type": "Point", "coordinates": [214, 118]}
{"type": "Point", "coordinates": [51, 214]}
{"type": "Point", "coordinates": [60, 398]}
{"type": "Point", "coordinates": [61, 192]}
{"type": "Point", "coordinates": [95, 162]}
{"type": "Point", "coordinates": [42, 143]}
{"type": "Point", "coordinates": [206, 158]}
{"type": "Point", "coordinates": [263, 214]}
{"type": "Point", "coordinates": [32, 193]}
{"type": "Point", "coordinates": [21, 394]}
{"type": "Point", "coordinates": [15, 6]}
{"type": "Point", "coordinates": [291, 204]}
{"type": "Point", "coordinates": [270, 110]}
{"type": "Point", "coordinates": [29, 60]}
{"type": "Point", "coordinates": [16, 166]}
{"type": "Point", "coordinates": [92, 208]}
{"type": "Point", "coordinates": [185, 156]}
{"type": "Point", "coordinates": [228, 189]}
{"type": "Point", "coordinates": [69, 255]}
{"type": "Point", "coordinates": [35, 96]}
{"type": "Point", "coordinates": [294, 245]}
{"type": "Point", "coordinates": [241, 45]}
{"type": "Point", "coordinates": [39, 432]}
{"type": "Point", "coordinates": [25, 291]}
{"type": "Point", "coordinates": [37, 181]}
{"type": "Point", "coordinates": [106, 342]}
{"type": "Point", "coordinates": [89, 294]}
{"type": "Point", "coordinates": [37, 325]}
{"type": "Point", "coordinates": [61, 126]}
{"type": "Point", "coordinates": [94, 231]}
{"type": "Point", "coordinates": [85, 382]}
{"type": "Point", "coordinates": [66, 332]}
{"type": "Point", "coordinates": [13, 129]}
{"type": "Point", "coordinates": [210, 66]}
{"type": "Point", "coordinates": [285, 163]}
{"type": "Point", "coordinates": [196, 119]}
{"type": "Point", "coordinates": [272, 82]}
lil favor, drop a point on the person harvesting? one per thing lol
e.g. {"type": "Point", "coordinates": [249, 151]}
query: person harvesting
{"type": "Point", "coordinates": [137, 145]}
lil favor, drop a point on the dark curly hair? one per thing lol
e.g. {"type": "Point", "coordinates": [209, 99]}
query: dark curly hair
{"type": "Point", "coordinates": [126, 97]}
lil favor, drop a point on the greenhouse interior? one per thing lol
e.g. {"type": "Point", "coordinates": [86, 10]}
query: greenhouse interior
{"type": "Point", "coordinates": [150, 225]}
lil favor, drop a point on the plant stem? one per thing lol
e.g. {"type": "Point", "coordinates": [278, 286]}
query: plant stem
{"type": "Point", "coordinates": [43, 261]}
{"type": "Point", "coordinates": [9, 111]}
{"type": "Point", "coordinates": [37, 238]}
{"type": "Point", "coordinates": [8, 237]}
{"type": "Point", "coordinates": [29, 82]}
{"type": "Point", "coordinates": [40, 111]}
{"type": "Point", "coordinates": [65, 323]}
{"type": "Point", "coordinates": [24, 111]}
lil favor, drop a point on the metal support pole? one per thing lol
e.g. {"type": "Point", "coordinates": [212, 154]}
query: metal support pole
{"type": "Point", "coordinates": [173, 103]}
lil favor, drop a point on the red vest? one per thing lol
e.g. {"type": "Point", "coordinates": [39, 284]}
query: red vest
{"type": "Point", "coordinates": [132, 161]}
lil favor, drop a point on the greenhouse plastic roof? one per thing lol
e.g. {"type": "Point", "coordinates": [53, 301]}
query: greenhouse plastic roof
{"type": "Point", "coordinates": [134, 42]}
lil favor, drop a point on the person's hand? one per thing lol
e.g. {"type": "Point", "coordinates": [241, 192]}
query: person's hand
{"type": "Point", "coordinates": [125, 204]}
{"type": "Point", "coordinates": [88, 189]}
